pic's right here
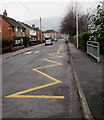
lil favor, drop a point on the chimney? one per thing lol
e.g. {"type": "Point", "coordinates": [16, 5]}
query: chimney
{"type": "Point", "coordinates": [5, 13]}
{"type": "Point", "coordinates": [33, 25]}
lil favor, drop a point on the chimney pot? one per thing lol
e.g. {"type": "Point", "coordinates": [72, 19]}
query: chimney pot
{"type": "Point", "coordinates": [33, 25]}
{"type": "Point", "coordinates": [5, 13]}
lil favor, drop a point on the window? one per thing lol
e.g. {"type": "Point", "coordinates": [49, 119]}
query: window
{"type": "Point", "coordinates": [12, 29]}
{"type": "Point", "coordinates": [18, 29]}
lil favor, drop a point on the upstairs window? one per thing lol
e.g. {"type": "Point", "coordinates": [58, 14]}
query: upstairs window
{"type": "Point", "coordinates": [19, 29]}
{"type": "Point", "coordinates": [12, 29]}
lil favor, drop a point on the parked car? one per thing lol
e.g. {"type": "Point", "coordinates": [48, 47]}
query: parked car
{"type": "Point", "coordinates": [48, 42]}
{"type": "Point", "coordinates": [55, 40]}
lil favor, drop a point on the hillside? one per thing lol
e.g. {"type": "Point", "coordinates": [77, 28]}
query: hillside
{"type": "Point", "coordinates": [47, 23]}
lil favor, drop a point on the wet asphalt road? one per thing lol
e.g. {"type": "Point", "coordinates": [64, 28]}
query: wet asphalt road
{"type": "Point", "coordinates": [49, 92]}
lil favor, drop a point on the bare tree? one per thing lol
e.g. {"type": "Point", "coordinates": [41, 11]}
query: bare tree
{"type": "Point", "coordinates": [68, 24]}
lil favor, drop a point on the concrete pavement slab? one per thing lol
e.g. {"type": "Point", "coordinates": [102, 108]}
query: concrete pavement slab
{"type": "Point", "coordinates": [89, 74]}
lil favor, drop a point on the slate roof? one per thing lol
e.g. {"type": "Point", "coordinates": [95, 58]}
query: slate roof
{"type": "Point", "coordinates": [11, 21]}
{"type": "Point", "coordinates": [29, 26]}
{"type": "Point", "coordinates": [26, 25]}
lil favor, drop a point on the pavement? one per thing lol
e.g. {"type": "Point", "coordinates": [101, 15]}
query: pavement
{"type": "Point", "coordinates": [88, 76]}
{"type": "Point", "coordinates": [14, 53]}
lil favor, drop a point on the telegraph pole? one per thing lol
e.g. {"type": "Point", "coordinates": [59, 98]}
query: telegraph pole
{"type": "Point", "coordinates": [54, 33]}
{"type": "Point", "coordinates": [40, 30]}
{"type": "Point", "coordinates": [77, 24]}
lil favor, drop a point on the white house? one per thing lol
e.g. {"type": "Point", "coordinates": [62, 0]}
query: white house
{"type": "Point", "coordinates": [32, 33]}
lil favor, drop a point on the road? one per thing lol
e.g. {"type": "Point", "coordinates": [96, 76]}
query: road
{"type": "Point", "coordinates": [40, 84]}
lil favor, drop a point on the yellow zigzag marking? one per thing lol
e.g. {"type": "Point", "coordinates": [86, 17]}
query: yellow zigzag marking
{"type": "Point", "coordinates": [18, 94]}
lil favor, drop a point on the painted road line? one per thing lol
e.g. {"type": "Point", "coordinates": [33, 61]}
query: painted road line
{"type": "Point", "coordinates": [39, 96]}
{"type": "Point", "coordinates": [53, 57]}
{"type": "Point", "coordinates": [27, 53]}
{"type": "Point", "coordinates": [52, 61]}
{"type": "Point", "coordinates": [20, 94]}
{"type": "Point", "coordinates": [46, 75]}
{"type": "Point", "coordinates": [36, 52]}
{"type": "Point", "coordinates": [32, 89]}
{"type": "Point", "coordinates": [48, 66]}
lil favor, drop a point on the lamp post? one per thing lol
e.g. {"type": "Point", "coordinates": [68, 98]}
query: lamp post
{"type": "Point", "coordinates": [77, 24]}
{"type": "Point", "coordinates": [41, 30]}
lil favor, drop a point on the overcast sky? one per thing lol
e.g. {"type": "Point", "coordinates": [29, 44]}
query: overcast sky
{"type": "Point", "coordinates": [24, 10]}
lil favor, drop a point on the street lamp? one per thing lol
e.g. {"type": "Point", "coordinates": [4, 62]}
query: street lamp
{"type": "Point", "coordinates": [77, 24]}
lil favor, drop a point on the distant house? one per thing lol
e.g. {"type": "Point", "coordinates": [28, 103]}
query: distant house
{"type": "Point", "coordinates": [11, 29]}
{"type": "Point", "coordinates": [51, 33]}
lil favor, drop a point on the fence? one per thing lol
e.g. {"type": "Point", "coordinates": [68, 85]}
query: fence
{"type": "Point", "coordinates": [93, 49]}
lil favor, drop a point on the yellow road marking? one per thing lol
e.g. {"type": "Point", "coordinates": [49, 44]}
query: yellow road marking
{"type": "Point", "coordinates": [52, 78]}
{"type": "Point", "coordinates": [32, 89]}
{"type": "Point", "coordinates": [18, 94]}
{"type": "Point", "coordinates": [47, 66]}
{"type": "Point", "coordinates": [39, 96]}
{"type": "Point", "coordinates": [52, 61]}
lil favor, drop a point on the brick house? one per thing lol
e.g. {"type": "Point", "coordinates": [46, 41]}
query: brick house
{"type": "Point", "coordinates": [11, 29]}
{"type": "Point", "coordinates": [0, 29]}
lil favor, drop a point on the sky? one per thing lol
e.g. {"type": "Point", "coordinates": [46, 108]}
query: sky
{"type": "Point", "coordinates": [24, 10]}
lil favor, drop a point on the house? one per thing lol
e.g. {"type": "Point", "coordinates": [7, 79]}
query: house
{"type": "Point", "coordinates": [31, 32]}
{"type": "Point", "coordinates": [0, 30]}
{"type": "Point", "coordinates": [39, 34]}
{"type": "Point", "coordinates": [51, 33]}
{"type": "Point", "coordinates": [11, 29]}
{"type": "Point", "coordinates": [27, 28]}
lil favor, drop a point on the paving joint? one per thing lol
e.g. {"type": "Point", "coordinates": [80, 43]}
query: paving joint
{"type": "Point", "coordinates": [84, 104]}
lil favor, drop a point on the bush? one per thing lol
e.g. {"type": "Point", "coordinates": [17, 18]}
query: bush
{"type": "Point", "coordinates": [7, 45]}
{"type": "Point", "coordinates": [82, 40]}
{"type": "Point", "coordinates": [7, 49]}
{"type": "Point", "coordinates": [96, 23]}
{"type": "Point", "coordinates": [26, 41]}
{"type": "Point", "coordinates": [73, 40]}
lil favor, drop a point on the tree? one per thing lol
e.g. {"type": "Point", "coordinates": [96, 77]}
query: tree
{"type": "Point", "coordinates": [96, 25]}
{"type": "Point", "coordinates": [68, 24]}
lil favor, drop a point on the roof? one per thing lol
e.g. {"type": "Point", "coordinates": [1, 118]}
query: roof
{"type": "Point", "coordinates": [50, 31]}
{"type": "Point", "coordinates": [11, 21]}
{"type": "Point", "coordinates": [26, 25]}
{"type": "Point", "coordinates": [29, 26]}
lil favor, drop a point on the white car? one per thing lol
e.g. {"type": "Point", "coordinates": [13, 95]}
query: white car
{"type": "Point", "coordinates": [55, 40]}
{"type": "Point", "coordinates": [48, 42]}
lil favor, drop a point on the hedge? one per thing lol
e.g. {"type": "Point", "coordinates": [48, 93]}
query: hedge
{"type": "Point", "coordinates": [82, 40]}
{"type": "Point", "coordinates": [26, 41]}
{"type": "Point", "coordinates": [7, 45]}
